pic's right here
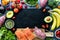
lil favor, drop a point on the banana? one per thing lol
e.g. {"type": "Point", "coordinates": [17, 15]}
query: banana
{"type": "Point", "coordinates": [57, 17]}
{"type": "Point", "coordinates": [54, 22]}
{"type": "Point", "coordinates": [56, 10]}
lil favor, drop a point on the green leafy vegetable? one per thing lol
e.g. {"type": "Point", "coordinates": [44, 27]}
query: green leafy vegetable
{"type": "Point", "coordinates": [32, 2]}
{"type": "Point", "coordinates": [6, 34]}
{"type": "Point", "coordinates": [53, 3]}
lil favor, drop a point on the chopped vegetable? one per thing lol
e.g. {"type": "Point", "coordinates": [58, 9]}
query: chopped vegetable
{"type": "Point", "coordinates": [39, 33]}
{"type": "Point", "coordinates": [9, 24]}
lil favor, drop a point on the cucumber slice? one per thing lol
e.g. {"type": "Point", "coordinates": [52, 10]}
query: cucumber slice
{"type": "Point", "coordinates": [9, 24]}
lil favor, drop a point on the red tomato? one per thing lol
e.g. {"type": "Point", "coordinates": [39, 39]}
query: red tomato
{"type": "Point", "coordinates": [47, 25]}
{"type": "Point", "coordinates": [17, 1]}
{"type": "Point", "coordinates": [13, 5]}
{"type": "Point", "coordinates": [58, 33]}
{"type": "Point", "coordinates": [20, 6]}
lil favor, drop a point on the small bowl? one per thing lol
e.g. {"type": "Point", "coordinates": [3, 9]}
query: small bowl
{"type": "Point", "coordinates": [30, 4]}
{"type": "Point", "coordinates": [56, 34]}
{"type": "Point", "coordinates": [11, 21]}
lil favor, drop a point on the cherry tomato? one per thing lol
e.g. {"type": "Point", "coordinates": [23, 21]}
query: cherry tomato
{"type": "Point", "coordinates": [58, 33]}
{"type": "Point", "coordinates": [47, 26]}
{"type": "Point", "coordinates": [16, 10]}
{"type": "Point", "coordinates": [19, 6]}
{"type": "Point", "coordinates": [13, 5]}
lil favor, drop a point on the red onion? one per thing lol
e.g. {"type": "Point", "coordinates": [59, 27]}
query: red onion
{"type": "Point", "coordinates": [2, 19]}
{"type": "Point", "coordinates": [43, 3]}
{"type": "Point", "coordinates": [39, 33]}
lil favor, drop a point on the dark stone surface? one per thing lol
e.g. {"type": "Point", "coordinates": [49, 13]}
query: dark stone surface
{"type": "Point", "coordinates": [30, 18]}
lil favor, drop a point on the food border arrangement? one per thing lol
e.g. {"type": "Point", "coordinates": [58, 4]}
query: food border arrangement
{"type": "Point", "coordinates": [29, 19]}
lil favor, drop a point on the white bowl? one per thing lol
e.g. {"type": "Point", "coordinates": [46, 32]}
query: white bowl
{"type": "Point", "coordinates": [55, 34]}
{"type": "Point", "coordinates": [30, 4]}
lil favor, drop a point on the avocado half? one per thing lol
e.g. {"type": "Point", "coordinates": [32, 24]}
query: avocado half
{"type": "Point", "coordinates": [9, 14]}
{"type": "Point", "coordinates": [48, 19]}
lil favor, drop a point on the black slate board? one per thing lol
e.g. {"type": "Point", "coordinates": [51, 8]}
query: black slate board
{"type": "Point", "coordinates": [30, 18]}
